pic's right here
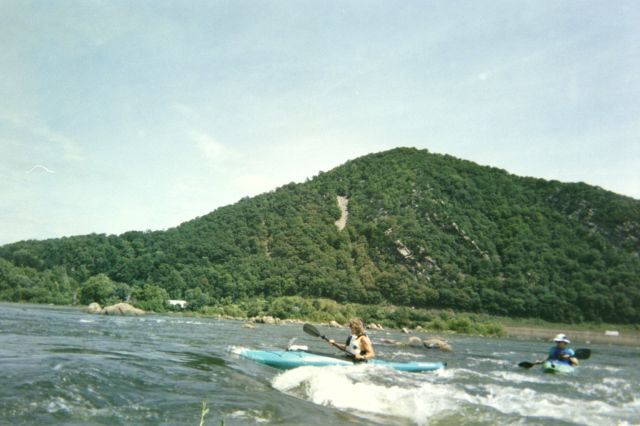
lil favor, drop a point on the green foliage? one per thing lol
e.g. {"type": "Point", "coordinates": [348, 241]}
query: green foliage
{"type": "Point", "coordinates": [101, 289]}
{"type": "Point", "coordinates": [98, 288]}
{"type": "Point", "coordinates": [324, 310]}
{"type": "Point", "coordinates": [150, 298]}
{"type": "Point", "coordinates": [25, 284]}
{"type": "Point", "coordinates": [424, 231]}
{"type": "Point", "coordinates": [196, 299]}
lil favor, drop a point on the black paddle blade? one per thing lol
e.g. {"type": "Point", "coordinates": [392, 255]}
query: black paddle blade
{"type": "Point", "coordinates": [583, 353]}
{"type": "Point", "coordinates": [309, 329]}
{"type": "Point", "coordinates": [526, 364]}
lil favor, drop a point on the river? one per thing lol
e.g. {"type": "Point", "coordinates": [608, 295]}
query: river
{"type": "Point", "coordinates": [59, 365]}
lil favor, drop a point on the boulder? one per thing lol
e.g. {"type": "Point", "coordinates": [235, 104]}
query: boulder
{"type": "Point", "coordinates": [122, 309]}
{"type": "Point", "coordinates": [266, 319]}
{"type": "Point", "coordinates": [334, 324]}
{"type": "Point", "coordinates": [437, 343]}
{"type": "Point", "coordinates": [405, 330]}
{"type": "Point", "coordinates": [93, 308]}
{"type": "Point", "coordinates": [415, 341]}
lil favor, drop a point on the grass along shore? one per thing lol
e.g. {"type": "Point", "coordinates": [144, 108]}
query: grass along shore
{"type": "Point", "coordinates": [628, 338]}
{"type": "Point", "coordinates": [428, 320]}
{"type": "Point", "coordinates": [615, 334]}
{"type": "Point", "coordinates": [325, 310]}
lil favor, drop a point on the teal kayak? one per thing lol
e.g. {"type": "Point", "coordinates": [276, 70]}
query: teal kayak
{"type": "Point", "coordinates": [554, 367]}
{"type": "Point", "coordinates": [292, 359]}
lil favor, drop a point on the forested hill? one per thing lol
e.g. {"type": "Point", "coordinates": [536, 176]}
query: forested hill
{"type": "Point", "coordinates": [422, 230]}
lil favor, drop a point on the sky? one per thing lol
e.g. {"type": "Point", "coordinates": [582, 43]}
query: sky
{"type": "Point", "coordinates": [140, 115]}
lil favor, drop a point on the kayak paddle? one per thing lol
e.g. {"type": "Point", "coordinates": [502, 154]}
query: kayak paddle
{"type": "Point", "coordinates": [309, 329]}
{"type": "Point", "coordinates": [580, 354]}
{"type": "Point", "coordinates": [583, 353]}
{"type": "Point", "coordinates": [527, 364]}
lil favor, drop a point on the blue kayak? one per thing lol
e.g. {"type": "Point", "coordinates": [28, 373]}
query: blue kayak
{"type": "Point", "coordinates": [554, 367]}
{"type": "Point", "coordinates": [291, 359]}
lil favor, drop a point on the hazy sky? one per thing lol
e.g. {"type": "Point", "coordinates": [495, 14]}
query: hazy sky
{"type": "Point", "coordinates": [136, 115]}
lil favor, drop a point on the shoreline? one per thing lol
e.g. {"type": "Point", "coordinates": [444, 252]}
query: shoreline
{"type": "Point", "coordinates": [625, 338]}
{"type": "Point", "coordinates": [542, 332]}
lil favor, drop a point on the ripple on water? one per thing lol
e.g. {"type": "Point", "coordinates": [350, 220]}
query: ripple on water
{"type": "Point", "coordinates": [58, 369]}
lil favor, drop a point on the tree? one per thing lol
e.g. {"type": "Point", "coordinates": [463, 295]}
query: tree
{"type": "Point", "coordinates": [196, 298]}
{"type": "Point", "coordinates": [150, 298]}
{"type": "Point", "coordinates": [98, 288]}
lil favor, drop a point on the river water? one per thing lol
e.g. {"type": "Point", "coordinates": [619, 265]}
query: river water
{"type": "Point", "coordinates": [64, 367]}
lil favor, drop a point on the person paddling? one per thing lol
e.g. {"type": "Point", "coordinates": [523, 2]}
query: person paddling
{"type": "Point", "coordinates": [560, 352]}
{"type": "Point", "coordinates": [358, 344]}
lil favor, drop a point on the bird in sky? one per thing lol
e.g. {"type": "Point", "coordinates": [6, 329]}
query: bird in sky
{"type": "Point", "coordinates": [40, 166]}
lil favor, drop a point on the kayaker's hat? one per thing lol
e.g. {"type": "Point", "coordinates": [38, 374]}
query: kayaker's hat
{"type": "Point", "coordinates": [561, 338]}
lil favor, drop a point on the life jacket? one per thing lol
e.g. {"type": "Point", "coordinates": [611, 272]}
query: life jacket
{"type": "Point", "coordinates": [557, 354]}
{"type": "Point", "coordinates": [353, 345]}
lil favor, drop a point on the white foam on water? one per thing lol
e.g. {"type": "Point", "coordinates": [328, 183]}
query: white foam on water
{"type": "Point", "coordinates": [473, 361]}
{"type": "Point", "coordinates": [448, 373]}
{"type": "Point", "coordinates": [86, 321]}
{"type": "Point", "coordinates": [354, 389]}
{"type": "Point", "coordinates": [465, 372]}
{"type": "Point", "coordinates": [237, 350]}
{"type": "Point", "coordinates": [609, 369]}
{"type": "Point", "coordinates": [529, 403]}
{"type": "Point", "coordinates": [506, 355]}
{"type": "Point", "coordinates": [191, 322]}
{"type": "Point", "coordinates": [57, 405]}
{"type": "Point", "coordinates": [517, 377]}
{"type": "Point", "coordinates": [253, 415]}
{"type": "Point", "coordinates": [403, 354]}
{"type": "Point", "coordinates": [373, 391]}
{"type": "Point", "coordinates": [610, 388]}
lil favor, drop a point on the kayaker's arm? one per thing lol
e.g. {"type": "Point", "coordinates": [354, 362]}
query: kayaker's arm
{"type": "Point", "coordinates": [367, 349]}
{"type": "Point", "coordinates": [337, 345]}
{"type": "Point", "coordinates": [571, 357]}
{"type": "Point", "coordinates": [562, 356]}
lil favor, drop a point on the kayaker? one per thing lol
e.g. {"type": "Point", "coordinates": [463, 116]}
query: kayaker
{"type": "Point", "coordinates": [358, 344]}
{"type": "Point", "coordinates": [560, 352]}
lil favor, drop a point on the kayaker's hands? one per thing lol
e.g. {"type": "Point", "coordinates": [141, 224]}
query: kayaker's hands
{"type": "Point", "coordinates": [332, 342]}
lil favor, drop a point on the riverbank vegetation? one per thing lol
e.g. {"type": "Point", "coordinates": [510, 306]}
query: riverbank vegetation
{"type": "Point", "coordinates": [418, 230]}
{"type": "Point", "coordinates": [325, 310]}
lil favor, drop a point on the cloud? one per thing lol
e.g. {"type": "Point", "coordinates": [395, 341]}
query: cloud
{"type": "Point", "coordinates": [213, 151]}
{"type": "Point", "coordinates": [64, 145]}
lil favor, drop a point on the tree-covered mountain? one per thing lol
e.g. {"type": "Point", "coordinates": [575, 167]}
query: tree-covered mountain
{"type": "Point", "coordinates": [421, 230]}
